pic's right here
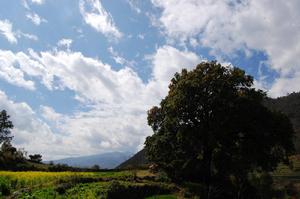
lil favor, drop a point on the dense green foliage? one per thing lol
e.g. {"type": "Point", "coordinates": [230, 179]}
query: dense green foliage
{"type": "Point", "coordinates": [212, 128]}
{"type": "Point", "coordinates": [36, 158]}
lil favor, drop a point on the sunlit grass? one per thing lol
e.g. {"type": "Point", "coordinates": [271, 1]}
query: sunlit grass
{"type": "Point", "coordinates": [44, 179]}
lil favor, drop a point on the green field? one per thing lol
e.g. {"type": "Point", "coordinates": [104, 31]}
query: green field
{"type": "Point", "coordinates": [118, 184]}
{"type": "Point", "coordinates": [115, 184]}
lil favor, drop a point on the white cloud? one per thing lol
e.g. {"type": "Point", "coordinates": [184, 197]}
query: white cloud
{"type": "Point", "coordinates": [65, 43]}
{"type": "Point", "coordinates": [35, 18]}
{"type": "Point", "coordinates": [285, 85]}
{"type": "Point", "coordinates": [119, 59]}
{"type": "Point", "coordinates": [227, 27]}
{"type": "Point", "coordinates": [97, 17]}
{"type": "Point", "coordinates": [32, 37]}
{"type": "Point", "coordinates": [117, 100]}
{"type": "Point", "coordinates": [29, 131]}
{"type": "Point", "coordinates": [38, 1]}
{"type": "Point", "coordinates": [168, 60]}
{"type": "Point", "coordinates": [10, 71]}
{"type": "Point", "coordinates": [49, 114]}
{"type": "Point", "coordinates": [7, 32]}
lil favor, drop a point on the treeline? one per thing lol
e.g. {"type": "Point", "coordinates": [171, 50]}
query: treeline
{"type": "Point", "coordinates": [14, 159]}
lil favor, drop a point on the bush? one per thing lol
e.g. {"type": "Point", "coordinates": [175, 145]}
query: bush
{"type": "Point", "coordinates": [5, 186]}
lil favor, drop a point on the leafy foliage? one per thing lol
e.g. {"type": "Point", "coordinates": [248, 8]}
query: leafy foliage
{"type": "Point", "coordinates": [5, 127]}
{"type": "Point", "coordinates": [36, 158]}
{"type": "Point", "coordinates": [211, 126]}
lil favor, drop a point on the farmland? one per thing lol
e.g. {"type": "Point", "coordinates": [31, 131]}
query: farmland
{"type": "Point", "coordinates": [108, 184]}
{"type": "Point", "coordinates": [120, 184]}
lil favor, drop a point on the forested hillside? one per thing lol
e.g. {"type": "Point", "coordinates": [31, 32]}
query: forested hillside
{"type": "Point", "coordinates": [137, 161]}
{"type": "Point", "coordinates": [289, 105]}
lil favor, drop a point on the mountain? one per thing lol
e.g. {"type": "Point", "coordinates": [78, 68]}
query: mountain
{"type": "Point", "coordinates": [136, 161]}
{"type": "Point", "coordinates": [289, 105]}
{"type": "Point", "coordinates": [105, 160]}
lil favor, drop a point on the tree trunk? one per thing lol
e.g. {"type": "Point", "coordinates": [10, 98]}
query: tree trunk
{"type": "Point", "coordinates": [208, 175]}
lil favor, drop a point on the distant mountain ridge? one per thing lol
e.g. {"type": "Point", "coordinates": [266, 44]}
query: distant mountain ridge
{"type": "Point", "coordinates": [289, 105]}
{"type": "Point", "coordinates": [105, 160]}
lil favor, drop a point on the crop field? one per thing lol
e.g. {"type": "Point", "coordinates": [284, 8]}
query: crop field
{"type": "Point", "coordinates": [128, 184]}
{"type": "Point", "coordinates": [108, 184]}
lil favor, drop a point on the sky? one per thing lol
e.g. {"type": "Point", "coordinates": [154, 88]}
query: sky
{"type": "Point", "coordinates": [78, 76]}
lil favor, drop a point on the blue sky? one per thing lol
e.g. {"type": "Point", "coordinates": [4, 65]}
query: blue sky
{"type": "Point", "coordinates": [81, 74]}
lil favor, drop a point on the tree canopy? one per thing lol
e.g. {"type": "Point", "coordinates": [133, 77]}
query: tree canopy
{"type": "Point", "coordinates": [36, 158]}
{"type": "Point", "coordinates": [212, 125]}
{"type": "Point", "coordinates": [5, 127]}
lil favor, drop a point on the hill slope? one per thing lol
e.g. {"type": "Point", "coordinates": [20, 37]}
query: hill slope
{"type": "Point", "coordinates": [105, 160]}
{"type": "Point", "coordinates": [136, 161]}
{"type": "Point", "coordinates": [289, 105]}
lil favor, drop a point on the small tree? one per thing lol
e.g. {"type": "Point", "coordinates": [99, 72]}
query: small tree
{"type": "Point", "coordinates": [212, 125]}
{"type": "Point", "coordinates": [5, 127]}
{"type": "Point", "coordinates": [95, 167]}
{"type": "Point", "coordinates": [35, 158]}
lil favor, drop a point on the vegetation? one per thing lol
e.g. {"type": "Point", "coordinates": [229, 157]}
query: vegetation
{"type": "Point", "coordinates": [207, 126]}
{"type": "Point", "coordinates": [121, 184]}
{"type": "Point", "coordinates": [137, 161]}
{"type": "Point", "coordinates": [5, 127]}
{"type": "Point", "coordinates": [35, 158]}
{"type": "Point", "coordinates": [289, 105]}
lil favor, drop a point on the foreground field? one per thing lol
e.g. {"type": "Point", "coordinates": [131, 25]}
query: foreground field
{"type": "Point", "coordinates": [135, 184]}
{"type": "Point", "coordinates": [118, 184]}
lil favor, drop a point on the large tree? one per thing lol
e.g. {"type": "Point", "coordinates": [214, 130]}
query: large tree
{"type": "Point", "coordinates": [5, 127]}
{"type": "Point", "coordinates": [212, 126]}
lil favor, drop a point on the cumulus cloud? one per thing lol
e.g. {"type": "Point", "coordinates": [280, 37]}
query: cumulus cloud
{"type": "Point", "coordinates": [98, 18]}
{"type": "Point", "coordinates": [227, 27]}
{"type": "Point", "coordinates": [29, 131]}
{"type": "Point", "coordinates": [117, 100]}
{"type": "Point", "coordinates": [168, 60]}
{"type": "Point", "coordinates": [7, 32]}
{"type": "Point", "coordinates": [10, 71]}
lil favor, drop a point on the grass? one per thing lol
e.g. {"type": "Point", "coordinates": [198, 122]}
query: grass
{"type": "Point", "coordinates": [92, 185]}
{"type": "Point", "coordinates": [110, 184]}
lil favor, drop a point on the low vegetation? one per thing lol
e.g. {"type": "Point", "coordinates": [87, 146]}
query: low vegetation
{"type": "Point", "coordinates": [112, 184]}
